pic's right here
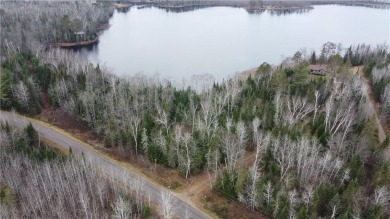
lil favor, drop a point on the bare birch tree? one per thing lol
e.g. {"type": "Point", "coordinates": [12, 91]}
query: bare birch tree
{"type": "Point", "coordinates": [381, 196]}
{"type": "Point", "coordinates": [166, 205]}
{"type": "Point", "coordinates": [186, 140]}
{"type": "Point", "coordinates": [135, 123]}
{"type": "Point", "coordinates": [316, 106]}
{"type": "Point", "coordinates": [252, 195]}
{"type": "Point", "coordinates": [232, 147]}
{"type": "Point", "coordinates": [297, 108]}
{"type": "Point", "coordinates": [21, 93]}
{"type": "Point", "coordinates": [121, 209]}
{"type": "Point", "coordinates": [212, 158]}
{"type": "Point", "coordinates": [268, 190]}
{"type": "Point", "coordinates": [284, 152]}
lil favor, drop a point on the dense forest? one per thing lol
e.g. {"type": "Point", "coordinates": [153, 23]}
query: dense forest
{"type": "Point", "coordinates": [31, 25]}
{"type": "Point", "coordinates": [316, 151]}
{"type": "Point", "coordinates": [38, 182]}
{"type": "Point", "coordinates": [315, 148]}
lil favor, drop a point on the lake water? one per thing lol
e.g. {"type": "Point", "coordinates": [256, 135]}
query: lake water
{"type": "Point", "coordinates": [222, 41]}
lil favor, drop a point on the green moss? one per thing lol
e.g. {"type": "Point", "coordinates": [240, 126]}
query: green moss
{"type": "Point", "coordinates": [7, 195]}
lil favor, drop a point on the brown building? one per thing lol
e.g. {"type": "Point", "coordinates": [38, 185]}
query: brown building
{"type": "Point", "coordinates": [317, 69]}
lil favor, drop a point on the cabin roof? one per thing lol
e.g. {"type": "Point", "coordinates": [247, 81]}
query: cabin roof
{"type": "Point", "coordinates": [317, 67]}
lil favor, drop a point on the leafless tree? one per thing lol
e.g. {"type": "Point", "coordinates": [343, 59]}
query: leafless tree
{"type": "Point", "coordinates": [345, 176]}
{"type": "Point", "coordinates": [202, 83]}
{"type": "Point", "coordinates": [241, 133]}
{"type": "Point", "coordinates": [381, 196]}
{"type": "Point", "coordinates": [209, 115]}
{"type": "Point", "coordinates": [297, 108]}
{"type": "Point", "coordinates": [268, 193]}
{"type": "Point", "coordinates": [186, 140]}
{"type": "Point", "coordinates": [284, 152]}
{"type": "Point", "coordinates": [162, 119]}
{"type": "Point", "coordinates": [293, 198]}
{"type": "Point", "coordinates": [380, 73]}
{"type": "Point", "coordinates": [34, 16]}
{"type": "Point", "coordinates": [21, 93]}
{"type": "Point", "coordinates": [77, 187]}
{"type": "Point", "coordinates": [232, 89]}
{"type": "Point", "coordinates": [339, 115]}
{"type": "Point", "coordinates": [385, 100]}
{"type": "Point", "coordinates": [177, 138]}
{"type": "Point", "coordinates": [316, 105]}
{"type": "Point", "coordinates": [308, 195]}
{"type": "Point", "coordinates": [255, 125]}
{"type": "Point", "coordinates": [329, 49]}
{"type": "Point", "coordinates": [166, 205]}
{"type": "Point", "coordinates": [307, 160]}
{"type": "Point", "coordinates": [212, 158]}
{"type": "Point", "coordinates": [121, 209]}
{"type": "Point", "coordinates": [252, 194]}
{"type": "Point", "coordinates": [87, 98]}
{"type": "Point", "coordinates": [144, 140]}
{"type": "Point", "coordinates": [134, 127]}
{"type": "Point", "coordinates": [278, 107]}
{"type": "Point", "coordinates": [232, 148]}
{"type": "Point", "coordinates": [334, 212]}
{"type": "Point", "coordinates": [161, 141]}
{"type": "Point", "coordinates": [60, 90]}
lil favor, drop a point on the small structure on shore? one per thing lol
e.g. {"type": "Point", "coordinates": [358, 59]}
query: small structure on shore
{"type": "Point", "coordinates": [317, 69]}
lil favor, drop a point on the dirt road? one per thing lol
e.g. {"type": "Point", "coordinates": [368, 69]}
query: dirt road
{"type": "Point", "coordinates": [372, 108]}
{"type": "Point", "coordinates": [108, 166]}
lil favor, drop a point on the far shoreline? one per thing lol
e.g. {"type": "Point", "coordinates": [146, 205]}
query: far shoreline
{"type": "Point", "coordinates": [252, 6]}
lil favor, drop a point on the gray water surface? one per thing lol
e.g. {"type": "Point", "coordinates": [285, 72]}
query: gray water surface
{"type": "Point", "coordinates": [222, 41]}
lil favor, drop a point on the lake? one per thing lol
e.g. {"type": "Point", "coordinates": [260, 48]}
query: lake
{"type": "Point", "coordinates": [222, 41]}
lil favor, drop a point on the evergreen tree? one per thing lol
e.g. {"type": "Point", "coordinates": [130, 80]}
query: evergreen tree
{"type": "Point", "coordinates": [313, 58]}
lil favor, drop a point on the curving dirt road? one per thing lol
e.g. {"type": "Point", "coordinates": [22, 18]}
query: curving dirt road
{"type": "Point", "coordinates": [372, 108]}
{"type": "Point", "coordinates": [108, 166]}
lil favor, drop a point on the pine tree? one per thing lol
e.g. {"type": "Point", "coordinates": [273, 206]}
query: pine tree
{"type": "Point", "coordinates": [313, 58]}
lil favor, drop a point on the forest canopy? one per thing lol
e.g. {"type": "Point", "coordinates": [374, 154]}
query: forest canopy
{"type": "Point", "coordinates": [313, 145]}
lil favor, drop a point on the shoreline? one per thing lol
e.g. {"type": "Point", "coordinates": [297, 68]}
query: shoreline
{"type": "Point", "coordinates": [179, 6]}
{"type": "Point", "coordinates": [279, 7]}
{"type": "Point", "coordinates": [69, 45]}
{"type": "Point", "coordinates": [75, 44]}
{"type": "Point", "coordinates": [250, 6]}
